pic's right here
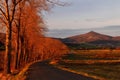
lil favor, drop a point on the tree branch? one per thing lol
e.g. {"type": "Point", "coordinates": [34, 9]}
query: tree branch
{"type": "Point", "coordinates": [3, 21]}
{"type": "Point", "coordinates": [3, 14]}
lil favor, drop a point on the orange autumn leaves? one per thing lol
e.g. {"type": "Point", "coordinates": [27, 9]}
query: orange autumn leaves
{"type": "Point", "coordinates": [49, 48]}
{"type": "Point", "coordinates": [24, 25]}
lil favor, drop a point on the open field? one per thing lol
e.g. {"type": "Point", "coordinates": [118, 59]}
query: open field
{"type": "Point", "coordinates": [94, 55]}
{"type": "Point", "coordinates": [101, 63]}
{"type": "Point", "coordinates": [107, 71]}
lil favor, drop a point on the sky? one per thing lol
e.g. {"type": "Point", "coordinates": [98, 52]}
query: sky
{"type": "Point", "coordinates": [82, 14]}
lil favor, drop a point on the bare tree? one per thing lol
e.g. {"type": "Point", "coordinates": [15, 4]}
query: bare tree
{"type": "Point", "coordinates": [7, 15]}
{"type": "Point", "coordinates": [14, 15]}
{"type": "Point", "coordinates": [27, 22]}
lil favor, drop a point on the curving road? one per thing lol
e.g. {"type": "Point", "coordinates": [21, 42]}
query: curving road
{"type": "Point", "coordinates": [44, 71]}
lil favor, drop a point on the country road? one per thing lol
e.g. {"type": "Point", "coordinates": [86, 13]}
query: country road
{"type": "Point", "coordinates": [44, 71]}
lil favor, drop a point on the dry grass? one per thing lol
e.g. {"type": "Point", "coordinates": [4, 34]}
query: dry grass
{"type": "Point", "coordinates": [106, 71]}
{"type": "Point", "coordinates": [90, 62]}
{"type": "Point", "coordinates": [22, 74]}
{"type": "Point", "coordinates": [80, 72]}
{"type": "Point", "coordinates": [99, 63]}
{"type": "Point", "coordinates": [94, 55]}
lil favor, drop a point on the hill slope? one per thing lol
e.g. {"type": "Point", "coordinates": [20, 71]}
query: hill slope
{"type": "Point", "coordinates": [92, 39]}
{"type": "Point", "coordinates": [89, 37]}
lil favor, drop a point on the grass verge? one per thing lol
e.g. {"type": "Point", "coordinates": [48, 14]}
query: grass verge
{"type": "Point", "coordinates": [79, 72]}
{"type": "Point", "coordinates": [98, 64]}
{"type": "Point", "coordinates": [105, 71]}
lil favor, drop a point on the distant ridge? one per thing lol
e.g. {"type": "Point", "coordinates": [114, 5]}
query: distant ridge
{"type": "Point", "coordinates": [113, 27]}
{"type": "Point", "coordinates": [113, 30]}
{"type": "Point", "coordinates": [94, 38]}
{"type": "Point", "coordinates": [89, 37]}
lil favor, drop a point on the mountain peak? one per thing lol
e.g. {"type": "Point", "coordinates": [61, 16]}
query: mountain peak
{"type": "Point", "coordinates": [89, 37]}
{"type": "Point", "coordinates": [92, 32]}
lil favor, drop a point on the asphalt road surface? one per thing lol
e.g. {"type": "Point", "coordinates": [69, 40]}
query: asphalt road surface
{"type": "Point", "coordinates": [44, 71]}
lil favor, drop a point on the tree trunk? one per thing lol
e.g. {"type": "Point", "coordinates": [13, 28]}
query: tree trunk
{"type": "Point", "coordinates": [18, 48]}
{"type": "Point", "coordinates": [7, 69]}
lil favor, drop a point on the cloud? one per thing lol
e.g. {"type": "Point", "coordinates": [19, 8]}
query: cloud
{"type": "Point", "coordinates": [95, 20]}
{"type": "Point", "coordinates": [85, 14]}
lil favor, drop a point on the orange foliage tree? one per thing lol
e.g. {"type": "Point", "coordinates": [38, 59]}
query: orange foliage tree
{"type": "Point", "coordinates": [49, 48]}
{"type": "Point", "coordinates": [28, 24]}
{"type": "Point", "coordinates": [24, 26]}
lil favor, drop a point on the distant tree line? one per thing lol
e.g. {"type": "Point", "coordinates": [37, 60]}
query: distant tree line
{"type": "Point", "coordinates": [88, 46]}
